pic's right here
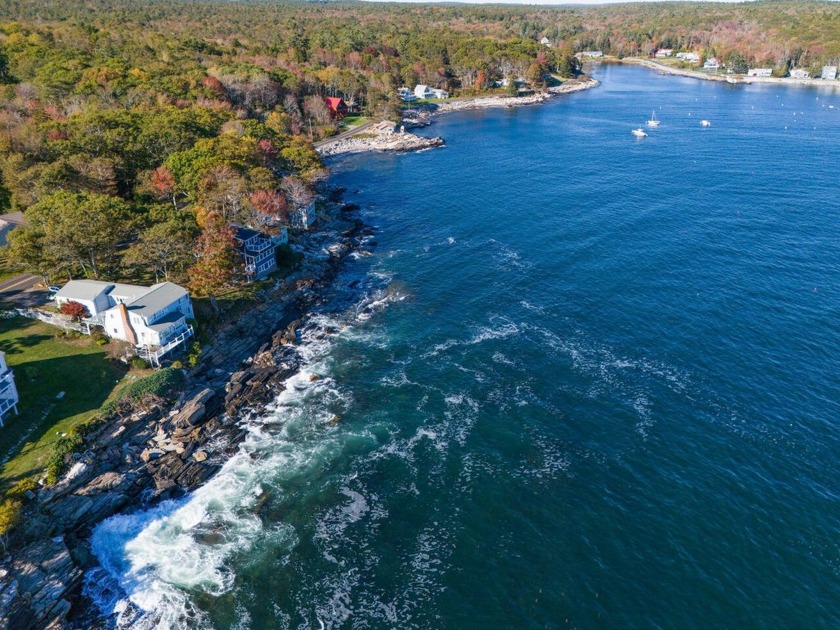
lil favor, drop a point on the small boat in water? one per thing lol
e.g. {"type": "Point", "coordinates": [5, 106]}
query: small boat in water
{"type": "Point", "coordinates": [705, 123]}
{"type": "Point", "coordinates": [639, 133]}
{"type": "Point", "coordinates": [654, 121]}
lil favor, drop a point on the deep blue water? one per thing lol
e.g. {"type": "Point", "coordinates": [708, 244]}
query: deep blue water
{"type": "Point", "coordinates": [593, 383]}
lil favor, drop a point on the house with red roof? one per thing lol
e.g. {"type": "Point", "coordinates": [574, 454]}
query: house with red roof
{"type": "Point", "coordinates": [338, 108]}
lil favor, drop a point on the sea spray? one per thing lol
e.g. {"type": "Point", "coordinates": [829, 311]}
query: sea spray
{"type": "Point", "coordinates": [153, 562]}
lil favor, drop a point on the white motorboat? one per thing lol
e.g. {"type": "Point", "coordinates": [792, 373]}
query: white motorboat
{"type": "Point", "coordinates": [639, 133]}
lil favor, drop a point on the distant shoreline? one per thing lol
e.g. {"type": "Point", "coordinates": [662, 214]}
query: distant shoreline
{"type": "Point", "coordinates": [374, 137]}
{"type": "Point", "coordinates": [736, 79]}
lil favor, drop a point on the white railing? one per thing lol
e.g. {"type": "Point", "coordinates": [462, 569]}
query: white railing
{"type": "Point", "coordinates": [262, 245]}
{"type": "Point", "coordinates": [153, 356]}
{"type": "Point", "coordinates": [63, 321]}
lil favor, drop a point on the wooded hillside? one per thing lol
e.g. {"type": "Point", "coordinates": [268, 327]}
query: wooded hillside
{"type": "Point", "coordinates": [133, 133]}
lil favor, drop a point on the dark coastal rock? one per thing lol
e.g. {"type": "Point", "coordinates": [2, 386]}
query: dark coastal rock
{"type": "Point", "coordinates": [152, 451]}
{"type": "Point", "coordinates": [36, 584]}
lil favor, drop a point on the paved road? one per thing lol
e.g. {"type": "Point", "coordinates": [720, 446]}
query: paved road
{"type": "Point", "coordinates": [21, 291]}
{"type": "Point", "coordinates": [347, 134]}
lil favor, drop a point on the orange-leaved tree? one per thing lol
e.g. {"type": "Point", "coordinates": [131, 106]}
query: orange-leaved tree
{"type": "Point", "coordinates": [217, 257]}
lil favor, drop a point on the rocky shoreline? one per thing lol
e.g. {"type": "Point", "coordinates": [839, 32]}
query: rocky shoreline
{"type": "Point", "coordinates": [385, 137]}
{"type": "Point", "coordinates": [728, 78]}
{"type": "Point", "coordinates": [155, 450]}
{"type": "Point", "coordinates": [380, 138]}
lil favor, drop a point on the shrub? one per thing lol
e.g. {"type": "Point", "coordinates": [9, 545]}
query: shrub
{"type": "Point", "coordinates": [67, 445]}
{"type": "Point", "coordinates": [287, 259]}
{"type": "Point", "coordinates": [139, 363]}
{"type": "Point", "coordinates": [158, 383]}
{"type": "Point", "coordinates": [97, 333]}
{"type": "Point", "coordinates": [23, 486]}
{"type": "Point", "coordinates": [194, 354]}
{"type": "Point", "coordinates": [74, 310]}
{"type": "Point", "coordinates": [177, 365]}
{"type": "Point", "coordinates": [9, 517]}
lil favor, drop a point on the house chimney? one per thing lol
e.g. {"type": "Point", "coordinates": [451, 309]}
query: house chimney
{"type": "Point", "coordinates": [130, 335]}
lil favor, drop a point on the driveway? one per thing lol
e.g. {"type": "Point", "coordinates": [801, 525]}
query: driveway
{"type": "Point", "coordinates": [21, 291]}
{"type": "Point", "coordinates": [347, 134]}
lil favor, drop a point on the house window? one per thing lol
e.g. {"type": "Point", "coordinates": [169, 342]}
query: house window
{"type": "Point", "coordinates": [116, 332]}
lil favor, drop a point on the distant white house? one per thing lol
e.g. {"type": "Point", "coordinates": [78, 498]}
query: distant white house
{"type": "Point", "coordinates": [690, 57]}
{"type": "Point", "coordinates": [712, 63]}
{"type": "Point", "coordinates": [799, 73]}
{"type": "Point", "coordinates": [760, 72]}
{"type": "Point", "coordinates": [406, 95]}
{"type": "Point", "coordinates": [664, 52]}
{"type": "Point", "coordinates": [424, 91]}
{"type": "Point", "coordinates": [829, 73]}
{"type": "Point", "coordinates": [594, 54]}
{"type": "Point", "coordinates": [545, 41]}
{"type": "Point", "coordinates": [303, 217]}
{"type": "Point", "coordinates": [150, 318]}
{"type": "Point", "coordinates": [8, 392]}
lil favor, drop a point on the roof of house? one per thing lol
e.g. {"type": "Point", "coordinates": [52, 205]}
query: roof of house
{"type": "Point", "coordinates": [129, 292]}
{"type": "Point", "coordinates": [242, 233]}
{"type": "Point", "coordinates": [160, 296]}
{"type": "Point", "coordinates": [84, 289]}
{"type": "Point", "coordinates": [167, 321]}
{"type": "Point", "coordinates": [334, 102]}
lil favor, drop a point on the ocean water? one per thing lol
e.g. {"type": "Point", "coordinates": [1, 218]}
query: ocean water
{"type": "Point", "coordinates": [588, 381]}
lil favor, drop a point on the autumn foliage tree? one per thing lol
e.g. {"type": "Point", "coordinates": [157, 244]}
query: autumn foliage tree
{"type": "Point", "coordinates": [74, 310]}
{"type": "Point", "coordinates": [163, 185]}
{"type": "Point", "coordinates": [217, 258]}
{"type": "Point", "coordinates": [270, 207]}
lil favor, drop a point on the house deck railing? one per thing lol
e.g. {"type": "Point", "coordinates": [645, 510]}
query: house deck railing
{"type": "Point", "coordinates": [154, 355]}
{"type": "Point", "coordinates": [260, 246]}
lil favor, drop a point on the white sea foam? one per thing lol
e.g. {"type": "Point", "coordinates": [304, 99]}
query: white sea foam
{"type": "Point", "coordinates": [153, 561]}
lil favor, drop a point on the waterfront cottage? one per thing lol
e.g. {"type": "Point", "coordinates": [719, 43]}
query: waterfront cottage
{"type": "Point", "coordinates": [338, 108]}
{"type": "Point", "coordinates": [303, 217]}
{"type": "Point", "coordinates": [690, 57]}
{"type": "Point", "coordinates": [712, 64]}
{"type": "Point", "coordinates": [423, 91]}
{"type": "Point", "coordinates": [8, 392]}
{"type": "Point", "coordinates": [760, 72]}
{"type": "Point", "coordinates": [593, 54]}
{"type": "Point", "coordinates": [153, 319]}
{"type": "Point", "coordinates": [798, 73]}
{"type": "Point", "coordinates": [664, 52]}
{"type": "Point", "coordinates": [829, 73]}
{"type": "Point", "coordinates": [258, 250]}
{"type": "Point", "coordinates": [406, 95]}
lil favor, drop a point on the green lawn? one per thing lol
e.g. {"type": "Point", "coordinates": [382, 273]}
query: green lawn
{"type": "Point", "coordinates": [44, 366]}
{"type": "Point", "coordinates": [353, 121]}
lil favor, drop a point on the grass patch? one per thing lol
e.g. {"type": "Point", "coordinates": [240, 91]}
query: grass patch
{"type": "Point", "coordinates": [353, 121]}
{"type": "Point", "coordinates": [45, 364]}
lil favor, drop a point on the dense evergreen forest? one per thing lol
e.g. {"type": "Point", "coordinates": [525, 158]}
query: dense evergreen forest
{"type": "Point", "coordinates": [133, 133]}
